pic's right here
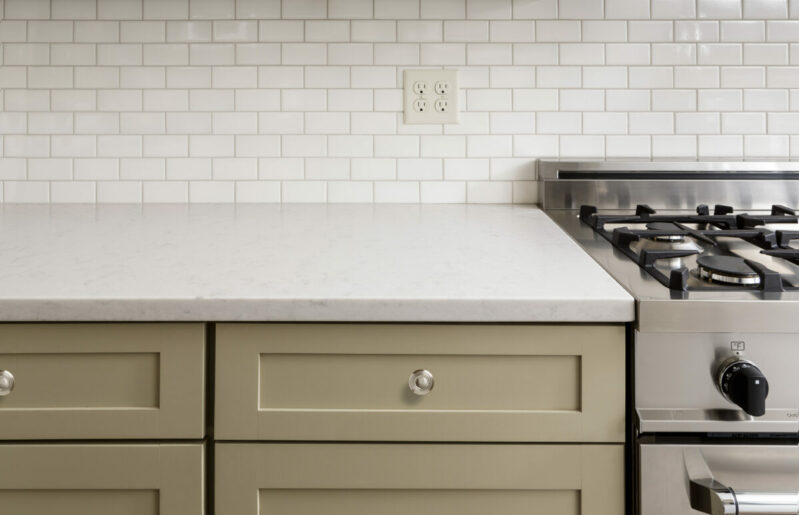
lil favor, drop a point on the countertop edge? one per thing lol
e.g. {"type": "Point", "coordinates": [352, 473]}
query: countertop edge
{"type": "Point", "coordinates": [616, 310]}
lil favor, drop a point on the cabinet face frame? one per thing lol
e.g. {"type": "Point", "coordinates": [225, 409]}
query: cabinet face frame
{"type": "Point", "coordinates": [178, 376]}
{"type": "Point", "coordinates": [599, 349]}
{"type": "Point", "coordinates": [174, 471]}
{"type": "Point", "coordinates": [593, 472]}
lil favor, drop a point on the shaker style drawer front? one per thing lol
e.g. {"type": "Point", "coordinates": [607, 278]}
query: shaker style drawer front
{"type": "Point", "coordinates": [76, 479]}
{"type": "Point", "coordinates": [419, 382]}
{"type": "Point", "coordinates": [424, 479]}
{"type": "Point", "coordinates": [85, 381]}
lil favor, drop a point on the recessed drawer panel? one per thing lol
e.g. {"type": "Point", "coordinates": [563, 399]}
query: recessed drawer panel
{"type": "Point", "coordinates": [81, 381]}
{"type": "Point", "coordinates": [76, 479]}
{"type": "Point", "coordinates": [423, 479]}
{"type": "Point", "coordinates": [353, 382]}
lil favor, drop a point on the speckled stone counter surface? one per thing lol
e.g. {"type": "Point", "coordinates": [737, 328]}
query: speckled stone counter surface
{"type": "Point", "coordinates": [453, 263]}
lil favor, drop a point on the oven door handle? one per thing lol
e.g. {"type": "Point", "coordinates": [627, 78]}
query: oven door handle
{"type": "Point", "coordinates": [715, 498]}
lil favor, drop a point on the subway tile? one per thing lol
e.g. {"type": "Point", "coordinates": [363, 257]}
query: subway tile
{"type": "Point", "coordinates": [604, 123]}
{"type": "Point", "coordinates": [719, 9]}
{"type": "Point", "coordinates": [512, 123]}
{"type": "Point", "coordinates": [763, 9]}
{"type": "Point", "coordinates": [257, 192]}
{"type": "Point", "coordinates": [235, 31]}
{"type": "Point", "coordinates": [72, 54]}
{"type": "Point", "coordinates": [373, 30]}
{"type": "Point", "coordinates": [50, 77]}
{"type": "Point", "coordinates": [258, 53]}
{"type": "Point", "coordinates": [719, 54]}
{"type": "Point", "coordinates": [536, 53]}
{"type": "Point", "coordinates": [304, 9]}
{"type": "Point", "coordinates": [281, 77]}
{"type": "Point", "coordinates": [350, 9]}
{"type": "Point", "coordinates": [782, 31]}
{"type": "Point", "coordinates": [697, 123]}
{"type": "Point", "coordinates": [743, 31]}
{"type": "Point", "coordinates": [518, 31]}
{"type": "Point", "coordinates": [188, 123]}
{"type": "Point", "coordinates": [720, 146]}
{"type": "Point", "coordinates": [96, 77]}
{"type": "Point", "coordinates": [766, 146]}
{"type": "Point", "coordinates": [535, 9]}
{"type": "Point", "coordinates": [442, 9]}
{"type": "Point", "coordinates": [582, 53]}
{"type": "Point", "coordinates": [582, 100]}
{"type": "Point", "coordinates": [627, 9]}
{"type": "Point", "coordinates": [720, 100]}
{"type": "Point", "coordinates": [234, 168]}
{"type": "Point", "coordinates": [765, 100]}
{"type": "Point", "coordinates": [211, 54]}
{"type": "Point", "coordinates": [119, 55]}
{"type": "Point", "coordinates": [98, 169]}
{"type": "Point", "coordinates": [234, 77]}
{"type": "Point", "coordinates": [142, 31]}
{"type": "Point", "coordinates": [443, 54]}
{"type": "Point", "coordinates": [13, 77]}
{"type": "Point", "coordinates": [604, 31]}
{"type": "Point", "coordinates": [212, 9]}
{"type": "Point", "coordinates": [696, 31]}
{"type": "Point", "coordinates": [304, 53]}
{"type": "Point", "coordinates": [628, 147]}
{"type": "Point", "coordinates": [188, 77]}
{"type": "Point", "coordinates": [24, 54]}
{"type": "Point", "coordinates": [160, 192]}
{"type": "Point", "coordinates": [419, 31]}
{"type": "Point", "coordinates": [73, 146]}
{"type": "Point", "coordinates": [252, 100]}
{"type": "Point", "coordinates": [628, 100]}
{"type": "Point", "coordinates": [345, 192]}
{"type": "Point", "coordinates": [743, 123]}
{"type": "Point", "coordinates": [441, 192]}
{"type": "Point", "coordinates": [49, 169]}
{"type": "Point", "coordinates": [627, 53]}
{"type": "Point", "coordinates": [119, 100]}
{"type": "Point", "coordinates": [20, 192]}
{"type": "Point", "coordinates": [26, 146]}
{"type": "Point", "coordinates": [605, 77]}
{"type": "Point", "coordinates": [327, 30]}
{"type": "Point", "coordinates": [651, 31]}
{"type": "Point", "coordinates": [466, 31]}
{"type": "Point", "coordinates": [559, 123]}
{"type": "Point", "coordinates": [119, 192]}
{"type": "Point", "coordinates": [165, 9]}
{"type": "Point", "coordinates": [96, 32]}
{"type": "Point", "coordinates": [328, 123]}
{"type": "Point", "coordinates": [285, 31]}
{"type": "Point", "coordinates": [765, 54]}
{"type": "Point", "coordinates": [119, 9]}
{"type": "Point", "coordinates": [489, 9]}
{"type": "Point", "coordinates": [396, 9]}
{"type": "Point", "coordinates": [257, 9]}
{"type": "Point", "coordinates": [142, 77]}
{"type": "Point", "coordinates": [188, 169]}
{"type": "Point", "coordinates": [165, 100]}
{"type": "Point", "coordinates": [558, 77]}
{"type": "Point", "coordinates": [13, 123]}
{"type": "Point", "coordinates": [557, 31]}
{"type": "Point", "coordinates": [493, 192]}
{"type": "Point", "coordinates": [303, 192]}
{"type": "Point", "coordinates": [170, 146]}
{"type": "Point", "coordinates": [27, 9]}
{"type": "Point", "coordinates": [489, 53]}
{"type": "Point", "coordinates": [350, 53]}
{"type": "Point", "coordinates": [651, 123]}
{"type": "Point", "coordinates": [327, 168]}
{"type": "Point", "coordinates": [373, 169]}
{"type": "Point", "coordinates": [13, 31]}
{"type": "Point", "coordinates": [27, 100]}
{"type": "Point", "coordinates": [396, 54]}
{"type": "Point", "coordinates": [673, 53]}
{"type": "Point", "coordinates": [137, 169]}
{"type": "Point", "coordinates": [396, 192]}
{"type": "Point", "coordinates": [96, 123]}
{"type": "Point", "coordinates": [743, 77]}
{"type": "Point", "coordinates": [674, 146]}
{"type": "Point", "coordinates": [651, 77]}
{"type": "Point", "coordinates": [581, 9]}
{"type": "Point", "coordinates": [170, 54]}
{"type": "Point", "coordinates": [119, 146]}
{"type": "Point", "coordinates": [673, 9]}
{"type": "Point", "coordinates": [188, 31]}
{"type": "Point", "coordinates": [50, 123]}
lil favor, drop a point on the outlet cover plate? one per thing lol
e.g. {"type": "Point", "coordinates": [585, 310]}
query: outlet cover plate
{"type": "Point", "coordinates": [431, 96]}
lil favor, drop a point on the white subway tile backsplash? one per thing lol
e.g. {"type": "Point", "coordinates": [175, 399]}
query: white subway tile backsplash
{"type": "Point", "coordinates": [300, 100]}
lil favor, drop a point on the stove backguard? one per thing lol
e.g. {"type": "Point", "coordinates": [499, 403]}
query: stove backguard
{"type": "Point", "coordinates": [680, 185]}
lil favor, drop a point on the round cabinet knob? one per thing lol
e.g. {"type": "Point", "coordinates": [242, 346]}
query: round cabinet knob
{"type": "Point", "coordinates": [6, 382]}
{"type": "Point", "coordinates": [741, 382]}
{"type": "Point", "coordinates": [421, 382]}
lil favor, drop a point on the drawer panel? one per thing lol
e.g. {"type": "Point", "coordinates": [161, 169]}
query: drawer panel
{"type": "Point", "coordinates": [99, 381]}
{"type": "Point", "coordinates": [425, 479]}
{"type": "Point", "coordinates": [77, 479]}
{"type": "Point", "coordinates": [350, 382]}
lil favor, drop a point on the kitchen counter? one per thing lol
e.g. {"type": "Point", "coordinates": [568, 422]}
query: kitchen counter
{"type": "Point", "coordinates": [453, 263]}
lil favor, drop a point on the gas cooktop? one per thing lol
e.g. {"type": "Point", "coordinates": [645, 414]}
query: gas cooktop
{"type": "Point", "coordinates": [718, 251]}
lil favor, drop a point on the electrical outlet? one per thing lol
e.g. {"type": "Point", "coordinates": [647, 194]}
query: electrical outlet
{"type": "Point", "coordinates": [431, 96]}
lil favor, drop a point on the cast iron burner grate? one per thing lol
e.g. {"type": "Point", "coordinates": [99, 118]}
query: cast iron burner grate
{"type": "Point", "coordinates": [721, 223]}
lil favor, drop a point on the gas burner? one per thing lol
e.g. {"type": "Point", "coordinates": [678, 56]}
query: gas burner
{"type": "Point", "coordinates": [663, 227]}
{"type": "Point", "coordinates": [726, 270]}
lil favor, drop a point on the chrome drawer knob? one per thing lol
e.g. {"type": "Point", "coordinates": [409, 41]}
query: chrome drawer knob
{"type": "Point", "coordinates": [421, 382]}
{"type": "Point", "coordinates": [6, 382]}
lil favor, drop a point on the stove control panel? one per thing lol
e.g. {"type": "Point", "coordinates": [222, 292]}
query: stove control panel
{"type": "Point", "coordinates": [742, 383]}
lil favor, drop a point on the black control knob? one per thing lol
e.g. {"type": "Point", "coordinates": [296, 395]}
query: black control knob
{"type": "Point", "coordinates": [742, 383]}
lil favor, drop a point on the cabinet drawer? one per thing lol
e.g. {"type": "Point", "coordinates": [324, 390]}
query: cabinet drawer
{"type": "Point", "coordinates": [78, 479]}
{"type": "Point", "coordinates": [351, 382]}
{"type": "Point", "coordinates": [424, 479]}
{"type": "Point", "coordinates": [84, 381]}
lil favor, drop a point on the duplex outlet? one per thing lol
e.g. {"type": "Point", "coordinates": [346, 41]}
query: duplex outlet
{"type": "Point", "coordinates": [431, 96]}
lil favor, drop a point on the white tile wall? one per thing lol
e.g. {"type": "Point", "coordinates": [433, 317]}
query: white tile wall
{"type": "Point", "coordinates": [298, 100]}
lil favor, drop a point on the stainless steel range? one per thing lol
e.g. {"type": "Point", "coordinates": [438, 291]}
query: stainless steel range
{"type": "Point", "coordinates": [710, 251]}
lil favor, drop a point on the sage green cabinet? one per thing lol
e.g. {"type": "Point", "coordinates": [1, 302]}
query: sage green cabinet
{"type": "Point", "coordinates": [508, 383]}
{"type": "Point", "coordinates": [423, 479]}
{"type": "Point", "coordinates": [99, 479]}
{"type": "Point", "coordinates": [103, 381]}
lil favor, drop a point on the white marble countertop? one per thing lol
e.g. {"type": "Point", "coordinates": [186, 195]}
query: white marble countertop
{"type": "Point", "coordinates": [456, 263]}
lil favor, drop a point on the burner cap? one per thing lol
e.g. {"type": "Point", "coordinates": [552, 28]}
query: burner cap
{"type": "Point", "coordinates": [726, 270]}
{"type": "Point", "coordinates": [664, 226]}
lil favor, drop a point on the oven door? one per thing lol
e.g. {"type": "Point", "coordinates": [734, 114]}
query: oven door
{"type": "Point", "coordinates": [718, 479]}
